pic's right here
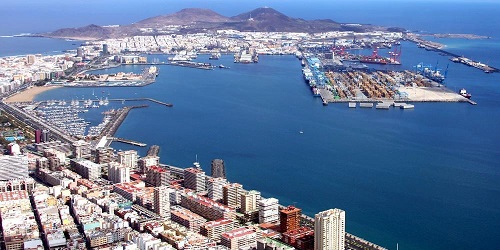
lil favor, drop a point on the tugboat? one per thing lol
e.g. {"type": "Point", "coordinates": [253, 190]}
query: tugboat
{"type": "Point", "coordinates": [464, 93]}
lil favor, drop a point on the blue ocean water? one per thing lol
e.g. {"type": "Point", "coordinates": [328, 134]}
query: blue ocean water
{"type": "Point", "coordinates": [424, 178]}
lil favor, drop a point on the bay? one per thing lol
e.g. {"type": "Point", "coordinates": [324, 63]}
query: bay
{"type": "Point", "coordinates": [398, 174]}
{"type": "Point", "coordinates": [425, 178]}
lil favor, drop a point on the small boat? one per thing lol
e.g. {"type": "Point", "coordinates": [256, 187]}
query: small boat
{"type": "Point", "coordinates": [301, 132]}
{"type": "Point", "coordinates": [325, 103]}
{"type": "Point", "coordinates": [223, 67]}
{"type": "Point", "coordinates": [464, 93]}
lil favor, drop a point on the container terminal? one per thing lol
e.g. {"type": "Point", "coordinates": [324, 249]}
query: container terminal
{"type": "Point", "coordinates": [335, 80]}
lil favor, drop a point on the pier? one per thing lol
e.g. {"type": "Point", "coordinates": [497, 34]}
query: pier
{"type": "Point", "coordinates": [431, 46]}
{"type": "Point", "coordinates": [117, 120]}
{"type": "Point", "coordinates": [127, 141]}
{"type": "Point", "coordinates": [154, 150]}
{"type": "Point", "coordinates": [142, 99]}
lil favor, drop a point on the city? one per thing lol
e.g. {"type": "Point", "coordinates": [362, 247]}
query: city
{"type": "Point", "coordinates": [293, 165]}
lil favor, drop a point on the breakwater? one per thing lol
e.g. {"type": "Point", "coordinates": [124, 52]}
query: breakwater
{"type": "Point", "coordinates": [432, 46]}
{"type": "Point", "coordinates": [117, 118]}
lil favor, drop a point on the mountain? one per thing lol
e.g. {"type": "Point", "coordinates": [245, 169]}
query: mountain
{"type": "Point", "coordinates": [88, 32]}
{"type": "Point", "coordinates": [184, 17]}
{"type": "Point", "coordinates": [270, 20]}
{"type": "Point", "coordinates": [201, 20]}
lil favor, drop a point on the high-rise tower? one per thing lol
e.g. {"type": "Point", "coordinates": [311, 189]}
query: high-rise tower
{"type": "Point", "coordinates": [290, 218]}
{"type": "Point", "coordinates": [329, 230]}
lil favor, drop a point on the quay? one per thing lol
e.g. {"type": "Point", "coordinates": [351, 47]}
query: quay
{"type": "Point", "coordinates": [378, 86]}
{"type": "Point", "coordinates": [127, 141]}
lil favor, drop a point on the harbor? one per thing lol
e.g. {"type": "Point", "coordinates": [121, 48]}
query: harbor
{"type": "Point", "coordinates": [119, 79]}
{"type": "Point", "coordinates": [335, 80]}
{"type": "Point", "coordinates": [377, 86]}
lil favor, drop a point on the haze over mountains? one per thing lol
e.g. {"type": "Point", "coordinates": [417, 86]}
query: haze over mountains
{"type": "Point", "coordinates": [202, 20]}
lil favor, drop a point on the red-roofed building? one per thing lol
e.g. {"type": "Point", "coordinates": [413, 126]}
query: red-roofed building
{"type": "Point", "coordinates": [242, 237]}
{"type": "Point", "coordinates": [214, 229]}
{"type": "Point", "coordinates": [291, 237]}
{"type": "Point", "coordinates": [157, 176]}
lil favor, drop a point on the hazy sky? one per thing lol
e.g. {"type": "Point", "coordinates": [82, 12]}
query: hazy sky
{"type": "Point", "coordinates": [30, 16]}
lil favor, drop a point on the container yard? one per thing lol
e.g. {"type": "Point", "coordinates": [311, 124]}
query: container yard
{"type": "Point", "coordinates": [369, 86]}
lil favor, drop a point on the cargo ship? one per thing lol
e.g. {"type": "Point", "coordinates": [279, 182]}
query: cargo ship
{"type": "Point", "coordinates": [464, 93]}
{"type": "Point", "coordinates": [375, 58]}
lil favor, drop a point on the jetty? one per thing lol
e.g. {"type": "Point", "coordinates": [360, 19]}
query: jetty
{"type": "Point", "coordinates": [118, 117]}
{"type": "Point", "coordinates": [142, 99]}
{"type": "Point", "coordinates": [154, 150]}
{"type": "Point", "coordinates": [432, 46]}
{"type": "Point", "coordinates": [127, 141]}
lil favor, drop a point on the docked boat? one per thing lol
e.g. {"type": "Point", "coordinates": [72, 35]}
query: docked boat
{"type": "Point", "coordinates": [464, 93]}
{"type": "Point", "coordinates": [214, 56]}
{"type": "Point", "coordinates": [325, 103]}
{"type": "Point", "coordinates": [316, 92]}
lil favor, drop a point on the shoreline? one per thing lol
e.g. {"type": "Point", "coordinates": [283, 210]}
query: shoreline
{"type": "Point", "coordinates": [29, 95]}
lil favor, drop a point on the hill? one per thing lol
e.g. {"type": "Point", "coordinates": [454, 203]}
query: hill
{"type": "Point", "coordinates": [195, 20]}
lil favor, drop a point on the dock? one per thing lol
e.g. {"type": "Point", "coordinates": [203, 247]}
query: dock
{"type": "Point", "coordinates": [131, 142]}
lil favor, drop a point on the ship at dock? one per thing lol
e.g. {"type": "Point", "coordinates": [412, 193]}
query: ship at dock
{"type": "Point", "coordinates": [246, 56]}
{"type": "Point", "coordinates": [214, 56]}
{"type": "Point", "coordinates": [464, 93]}
{"type": "Point", "coordinates": [375, 58]}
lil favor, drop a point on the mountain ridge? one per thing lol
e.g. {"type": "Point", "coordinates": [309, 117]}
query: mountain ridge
{"type": "Point", "coordinates": [193, 20]}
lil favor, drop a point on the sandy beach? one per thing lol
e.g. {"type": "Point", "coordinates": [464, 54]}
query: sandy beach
{"type": "Point", "coordinates": [29, 94]}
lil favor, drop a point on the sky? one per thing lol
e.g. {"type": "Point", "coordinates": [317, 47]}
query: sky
{"type": "Point", "coordinates": [29, 16]}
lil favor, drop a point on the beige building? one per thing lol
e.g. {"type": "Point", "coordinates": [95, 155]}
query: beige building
{"type": "Point", "coordinates": [329, 230]}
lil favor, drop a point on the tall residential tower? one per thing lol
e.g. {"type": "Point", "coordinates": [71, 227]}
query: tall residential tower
{"type": "Point", "coordinates": [329, 230]}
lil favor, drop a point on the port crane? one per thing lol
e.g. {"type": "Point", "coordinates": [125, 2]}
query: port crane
{"type": "Point", "coordinates": [395, 55]}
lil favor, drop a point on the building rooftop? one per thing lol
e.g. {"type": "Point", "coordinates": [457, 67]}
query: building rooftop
{"type": "Point", "coordinates": [238, 232]}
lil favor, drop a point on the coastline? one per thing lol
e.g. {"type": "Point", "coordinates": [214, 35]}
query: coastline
{"type": "Point", "coordinates": [29, 95]}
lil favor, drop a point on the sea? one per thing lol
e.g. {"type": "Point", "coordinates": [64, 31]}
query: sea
{"type": "Point", "coordinates": [427, 178]}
